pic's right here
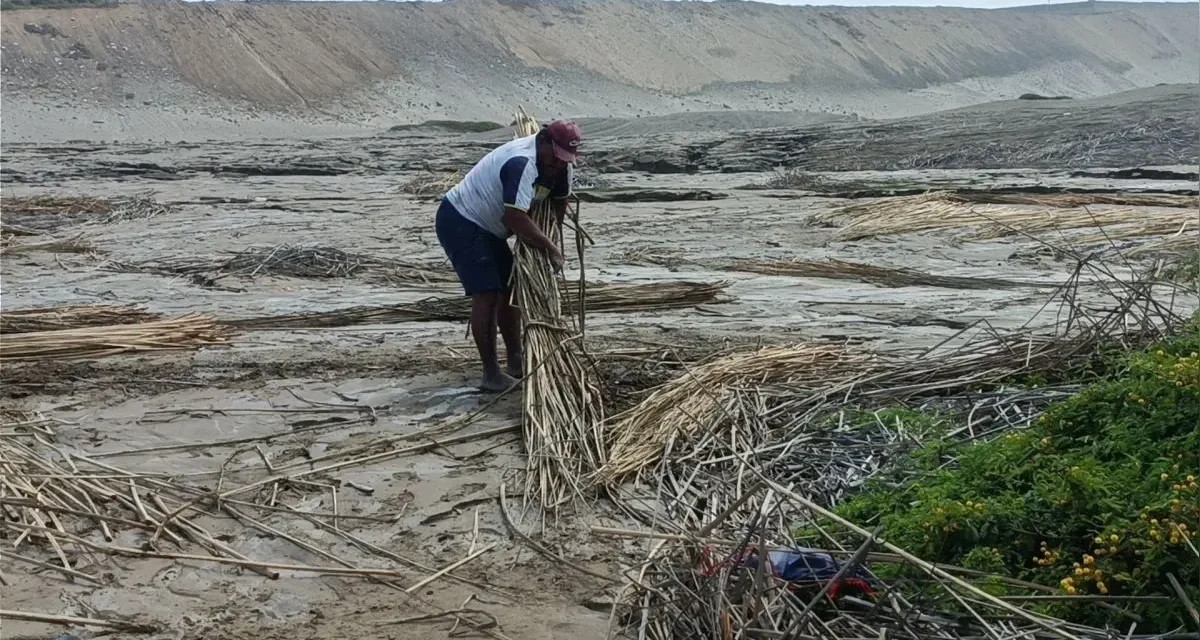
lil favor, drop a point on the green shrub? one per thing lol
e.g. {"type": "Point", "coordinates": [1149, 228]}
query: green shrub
{"type": "Point", "coordinates": [1098, 496]}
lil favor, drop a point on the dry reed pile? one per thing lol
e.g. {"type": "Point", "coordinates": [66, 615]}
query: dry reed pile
{"type": "Point", "coordinates": [885, 276]}
{"type": "Point", "coordinates": [294, 261]}
{"type": "Point", "coordinates": [739, 452]}
{"type": "Point", "coordinates": [72, 317]}
{"type": "Point", "coordinates": [561, 396]}
{"type": "Point", "coordinates": [944, 210]}
{"type": "Point", "coordinates": [190, 331]}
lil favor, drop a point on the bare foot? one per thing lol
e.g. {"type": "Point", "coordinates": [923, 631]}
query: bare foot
{"type": "Point", "coordinates": [497, 382]}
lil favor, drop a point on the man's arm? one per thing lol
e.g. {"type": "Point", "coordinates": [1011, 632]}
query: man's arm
{"type": "Point", "coordinates": [517, 177]}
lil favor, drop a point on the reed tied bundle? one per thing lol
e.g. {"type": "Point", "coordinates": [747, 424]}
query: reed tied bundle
{"type": "Point", "coordinates": [190, 331]}
{"type": "Point", "coordinates": [561, 396]}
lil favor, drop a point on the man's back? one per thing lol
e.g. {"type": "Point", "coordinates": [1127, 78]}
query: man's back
{"type": "Point", "coordinates": [482, 194]}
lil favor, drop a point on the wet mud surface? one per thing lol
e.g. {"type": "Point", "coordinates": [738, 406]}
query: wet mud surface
{"type": "Point", "coordinates": [293, 396]}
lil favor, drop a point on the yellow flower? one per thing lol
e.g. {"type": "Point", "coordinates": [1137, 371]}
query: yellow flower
{"type": "Point", "coordinates": [1102, 587]}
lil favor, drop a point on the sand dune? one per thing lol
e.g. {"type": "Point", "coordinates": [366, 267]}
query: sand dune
{"type": "Point", "coordinates": [383, 63]}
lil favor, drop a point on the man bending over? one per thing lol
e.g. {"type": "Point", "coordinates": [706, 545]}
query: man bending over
{"type": "Point", "coordinates": [477, 216]}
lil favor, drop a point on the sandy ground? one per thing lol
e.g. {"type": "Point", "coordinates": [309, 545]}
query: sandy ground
{"type": "Point", "coordinates": [170, 413]}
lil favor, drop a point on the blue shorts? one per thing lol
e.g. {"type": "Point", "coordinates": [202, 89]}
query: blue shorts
{"type": "Point", "coordinates": [482, 261]}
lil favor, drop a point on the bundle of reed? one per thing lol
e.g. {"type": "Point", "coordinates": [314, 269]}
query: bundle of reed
{"type": "Point", "coordinates": [885, 276]}
{"type": "Point", "coordinates": [650, 296]}
{"type": "Point", "coordinates": [943, 210]}
{"type": "Point", "coordinates": [408, 273]}
{"type": "Point", "coordinates": [190, 331]}
{"type": "Point", "coordinates": [561, 398]}
{"type": "Point", "coordinates": [432, 184]}
{"type": "Point", "coordinates": [1188, 240]}
{"type": "Point", "coordinates": [74, 244]}
{"type": "Point", "coordinates": [72, 317]}
{"type": "Point", "coordinates": [613, 298]}
{"type": "Point", "coordinates": [428, 310]}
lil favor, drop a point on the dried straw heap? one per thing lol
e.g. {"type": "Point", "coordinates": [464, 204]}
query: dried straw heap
{"type": "Point", "coordinates": [561, 395]}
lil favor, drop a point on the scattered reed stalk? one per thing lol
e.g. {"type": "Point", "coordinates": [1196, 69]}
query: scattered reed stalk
{"type": "Point", "coordinates": [613, 298]}
{"type": "Point", "coordinates": [885, 276]}
{"type": "Point", "coordinates": [72, 317]}
{"type": "Point", "coordinates": [190, 331]}
{"type": "Point", "coordinates": [563, 409]}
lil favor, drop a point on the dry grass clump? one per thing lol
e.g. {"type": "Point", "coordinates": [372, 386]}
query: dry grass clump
{"type": "Point", "coordinates": [1025, 214]}
{"type": "Point", "coordinates": [74, 244]}
{"type": "Point", "coordinates": [50, 212]}
{"type": "Point", "coordinates": [72, 317]}
{"type": "Point", "coordinates": [295, 262]}
{"type": "Point", "coordinates": [885, 276]}
{"type": "Point", "coordinates": [190, 331]}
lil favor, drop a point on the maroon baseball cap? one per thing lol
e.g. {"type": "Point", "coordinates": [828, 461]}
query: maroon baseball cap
{"type": "Point", "coordinates": [566, 137]}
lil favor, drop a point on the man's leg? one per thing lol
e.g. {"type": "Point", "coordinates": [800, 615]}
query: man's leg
{"type": "Point", "coordinates": [507, 316]}
{"type": "Point", "coordinates": [484, 309]}
{"type": "Point", "coordinates": [472, 252]}
{"type": "Point", "coordinates": [509, 319]}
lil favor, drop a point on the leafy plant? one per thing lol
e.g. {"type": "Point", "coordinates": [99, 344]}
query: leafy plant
{"type": "Point", "coordinates": [1099, 496]}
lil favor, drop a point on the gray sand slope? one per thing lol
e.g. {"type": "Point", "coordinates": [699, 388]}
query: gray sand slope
{"type": "Point", "coordinates": [198, 70]}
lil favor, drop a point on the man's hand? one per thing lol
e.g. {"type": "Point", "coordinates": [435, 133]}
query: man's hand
{"type": "Point", "coordinates": [557, 259]}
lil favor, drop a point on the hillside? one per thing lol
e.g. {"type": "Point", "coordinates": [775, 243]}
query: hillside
{"type": "Point", "coordinates": [388, 62]}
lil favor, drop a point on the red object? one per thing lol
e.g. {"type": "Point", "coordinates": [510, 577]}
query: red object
{"type": "Point", "coordinates": [709, 564]}
{"type": "Point", "coordinates": [566, 137]}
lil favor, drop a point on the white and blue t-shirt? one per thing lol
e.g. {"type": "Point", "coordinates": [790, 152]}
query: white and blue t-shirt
{"type": "Point", "coordinates": [506, 177]}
